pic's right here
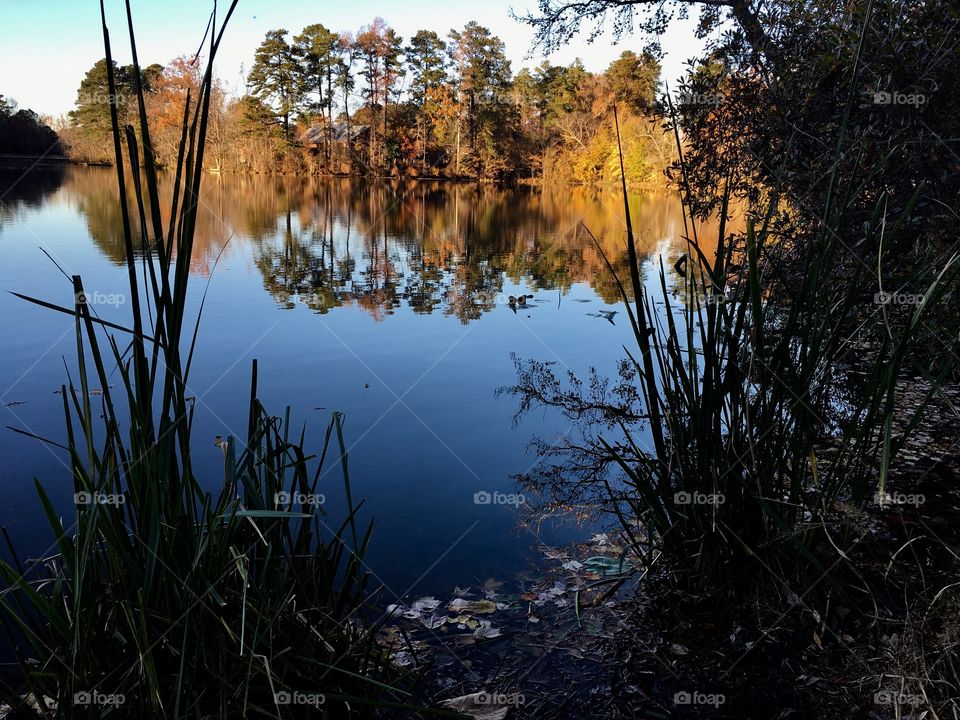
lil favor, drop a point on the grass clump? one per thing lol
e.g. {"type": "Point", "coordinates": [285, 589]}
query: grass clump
{"type": "Point", "coordinates": [731, 431]}
{"type": "Point", "coordinates": [162, 599]}
{"type": "Point", "coordinates": [739, 385]}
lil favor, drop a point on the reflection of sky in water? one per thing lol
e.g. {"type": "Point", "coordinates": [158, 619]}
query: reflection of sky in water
{"type": "Point", "coordinates": [386, 302]}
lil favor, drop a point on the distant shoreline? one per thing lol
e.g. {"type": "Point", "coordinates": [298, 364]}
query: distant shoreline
{"type": "Point", "coordinates": [30, 161]}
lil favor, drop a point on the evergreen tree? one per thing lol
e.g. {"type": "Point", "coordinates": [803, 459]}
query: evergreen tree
{"type": "Point", "coordinates": [482, 79]}
{"type": "Point", "coordinates": [425, 56]}
{"type": "Point", "coordinates": [633, 80]}
{"type": "Point", "coordinates": [277, 78]}
{"type": "Point", "coordinates": [91, 116]}
{"type": "Point", "coordinates": [23, 132]}
{"type": "Point", "coordinates": [92, 113]}
{"type": "Point", "coordinates": [318, 51]}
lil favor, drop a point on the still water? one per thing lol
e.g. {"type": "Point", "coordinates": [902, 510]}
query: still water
{"type": "Point", "coordinates": [385, 301]}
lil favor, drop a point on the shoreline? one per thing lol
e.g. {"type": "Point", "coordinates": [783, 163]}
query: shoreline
{"type": "Point", "coordinates": [17, 162]}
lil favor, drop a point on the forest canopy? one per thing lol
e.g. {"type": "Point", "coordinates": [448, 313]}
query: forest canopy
{"type": "Point", "coordinates": [372, 103]}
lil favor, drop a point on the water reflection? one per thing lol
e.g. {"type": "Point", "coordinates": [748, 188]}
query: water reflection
{"type": "Point", "coordinates": [21, 189]}
{"type": "Point", "coordinates": [429, 246]}
{"type": "Point", "coordinates": [356, 296]}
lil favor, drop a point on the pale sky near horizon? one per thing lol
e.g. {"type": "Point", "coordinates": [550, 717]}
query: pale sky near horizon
{"type": "Point", "coordinates": [46, 46]}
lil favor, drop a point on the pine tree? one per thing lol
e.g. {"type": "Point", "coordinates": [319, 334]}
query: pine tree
{"type": "Point", "coordinates": [318, 51]}
{"type": "Point", "coordinates": [633, 81]}
{"type": "Point", "coordinates": [425, 56]}
{"type": "Point", "coordinates": [482, 78]}
{"type": "Point", "coordinates": [276, 77]}
{"type": "Point", "coordinates": [92, 113]}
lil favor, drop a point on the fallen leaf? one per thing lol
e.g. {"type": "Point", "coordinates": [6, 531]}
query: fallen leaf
{"type": "Point", "coordinates": [433, 621]}
{"type": "Point", "coordinates": [486, 630]}
{"type": "Point", "coordinates": [402, 658]}
{"type": "Point", "coordinates": [426, 603]}
{"type": "Point", "coordinates": [476, 705]}
{"type": "Point", "coordinates": [607, 566]}
{"type": "Point", "coordinates": [476, 607]}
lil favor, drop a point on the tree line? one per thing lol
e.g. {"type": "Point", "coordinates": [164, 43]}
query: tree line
{"type": "Point", "coordinates": [23, 132]}
{"type": "Point", "coordinates": [370, 103]}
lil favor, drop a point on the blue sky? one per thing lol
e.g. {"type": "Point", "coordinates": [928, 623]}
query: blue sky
{"type": "Point", "coordinates": [46, 46]}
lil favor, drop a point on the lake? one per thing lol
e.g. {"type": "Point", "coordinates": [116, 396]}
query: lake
{"type": "Point", "coordinates": [387, 301]}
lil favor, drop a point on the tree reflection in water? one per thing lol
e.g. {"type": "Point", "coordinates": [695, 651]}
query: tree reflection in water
{"type": "Point", "coordinates": [427, 245]}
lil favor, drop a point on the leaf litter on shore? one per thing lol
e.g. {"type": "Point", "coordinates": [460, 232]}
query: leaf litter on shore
{"type": "Point", "coordinates": [547, 624]}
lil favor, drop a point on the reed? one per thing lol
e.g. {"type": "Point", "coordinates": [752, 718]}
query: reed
{"type": "Point", "coordinates": [162, 599]}
{"type": "Point", "coordinates": [738, 386]}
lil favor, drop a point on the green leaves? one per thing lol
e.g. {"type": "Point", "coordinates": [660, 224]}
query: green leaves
{"type": "Point", "coordinates": [276, 77]}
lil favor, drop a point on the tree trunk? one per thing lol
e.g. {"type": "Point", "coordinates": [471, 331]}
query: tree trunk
{"type": "Point", "coordinates": [346, 111]}
{"type": "Point", "coordinates": [371, 160]}
{"type": "Point", "coordinates": [329, 117]}
{"type": "Point", "coordinates": [753, 29]}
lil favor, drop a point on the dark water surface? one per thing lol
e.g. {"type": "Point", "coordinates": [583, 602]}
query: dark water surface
{"type": "Point", "coordinates": [385, 301]}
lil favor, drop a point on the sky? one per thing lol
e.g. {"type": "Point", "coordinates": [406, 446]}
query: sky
{"type": "Point", "coordinates": [46, 46]}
